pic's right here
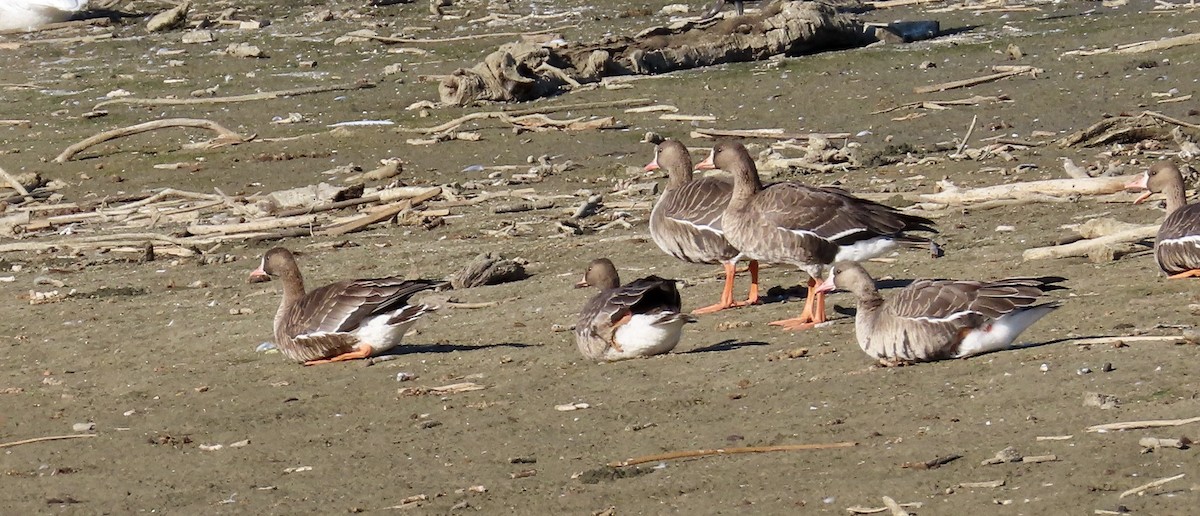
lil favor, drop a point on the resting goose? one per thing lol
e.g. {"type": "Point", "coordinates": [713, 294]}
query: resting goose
{"type": "Point", "coordinates": [340, 321]}
{"type": "Point", "coordinates": [806, 226]}
{"type": "Point", "coordinates": [940, 319]}
{"type": "Point", "coordinates": [639, 319]}
{"type": "Point", "coordinates": [30, 14]}
{"type": "Point", "coordinates": [1177, 248]}
{"type": "Point", "coordinates": [686, 221]}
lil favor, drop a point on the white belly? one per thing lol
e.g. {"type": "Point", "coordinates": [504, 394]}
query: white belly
{"type": "Point", "coordinates": [27, 14]}
{"type": "Point", "coordinates": [646, 335]}
{"type": "Point", "coordinates": [380, 335]}
{"type": "Point", "coordinates": [865, 250]}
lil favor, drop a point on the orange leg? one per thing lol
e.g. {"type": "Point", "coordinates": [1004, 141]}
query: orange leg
{"type": "Point", "coordinates": [362, 351]}
{"type": "Point", "coordinates": [813, 313]}
{"type": "Point", "coordinates": [753, 298]}
{"type": "Point", "coordinates": [616, 325]}
{"type": "Point", "coordinates": [1194, 273]}
{"type": "Point", "coordinates": [727, 293]}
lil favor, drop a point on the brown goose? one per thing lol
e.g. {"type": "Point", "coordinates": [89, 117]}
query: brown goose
{"type": "Point", "coordinates": [808, 227]}
{"type": "Point", "coordinates": [939, 319]}
{"type": "Point", "coordinates": [340, 321]}
{"type": "Point", "coordinates": [639, 319]}
{"type": "Point", "coordinates": [686, 221]}
{"type": "Point", "coordinates": [1177, 248]}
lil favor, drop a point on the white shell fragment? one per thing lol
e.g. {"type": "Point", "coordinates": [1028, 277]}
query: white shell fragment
{"type": "Point", "coordinates": [567, 407]}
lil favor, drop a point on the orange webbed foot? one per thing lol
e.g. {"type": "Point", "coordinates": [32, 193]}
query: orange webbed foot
{"type": "Point", "coordinates": [1194, 273]}
{"type": "Point", "coordinates": [362, 351]}
{"type": "Point", "coordinates": [796, 323]}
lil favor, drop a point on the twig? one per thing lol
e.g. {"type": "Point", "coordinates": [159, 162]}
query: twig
{"type": "Point", "coordinates": [103, 22]}
{"type": "Point", "coordinates": [1133, 425]}
{"type": "Point", "coordinates": [41, 439]}
{"type": "Point", "coordinates": [16, 185]}
{"type": "Point", "coordinates": [1092, 341]}
{"type": "Point", "coordinates": [1150, 485]}
{"type": "Point", "coordinates": [778, 134]}
{"type": "Point", "coordinates": [265, 95]}
{"type": "Point", "coordinates": [858, 509]}
{"type": "Point", "coordinates": [977, 80]}
{"type": "Point", "coordinates": [484, 304]}
{"type": "Point", "coordinates": [952, 194]}
{"type": "Point", "coordinates": [252, 226]}
{"type": "Point", "coordinates": [385, 39]}
{"type": "Point", "coordinates": [933, 463]}
{"type": "Point", "coordinates": [970, 129]}
{"type": "Point", "coordinates": [727, 451]}
{"type": "Point", "coordinates": [223, 135]}
{"type": "Point", "coordinates": [509, 115]}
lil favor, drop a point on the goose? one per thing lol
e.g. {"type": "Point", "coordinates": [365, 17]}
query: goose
{"type": "Point", "coordinates": [686, 221]}
{"type": "Point", "coordinates": [30, 14]}
{"type": "Point", "coordinates": [806, 226]}
{"type": "Point", "coordinates": [340, 321]}
{"type": "Point", "coordinates": [638, 319]}
{"type": "Point", "coordinates": [1177, 248]}
{"type": "Point", "coordinates": [940, 319]}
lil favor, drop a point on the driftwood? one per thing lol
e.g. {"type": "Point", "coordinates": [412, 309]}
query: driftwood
{"type": "Point", "coordinates": [1003, 73]}
{"type": "Point", "coordinates": [1134, 425]}
{"type": "Point", "coordinates": [523, 71]}
{"type": "Point", "coordinates": [1141, 46]}
{"type": "Point", "coordinates": [382, 213]}
{"type": "Point", "coordinates": [516, 117]}
{"type": "Point", "coordinates": [265, 95]}
{"type": "Point", "coordinates": [44, 439]}
{"type": "Point", "coordinates": [12, 181]}
{"type": "Point", "coordinates": [727, 451]}
{"type": "Point", "coordinates": [224, 135]}
{"type": "Point", "coordinates": [487, 269]}
{"type": "Point", "coordinates": [1149, 485]}
{"type": "Point", "coordinates": [942, 104]}
{"type": "Point", "coordinates": [1092, 246]}
{"type": "Point", "coordinates": [954, 195]}
{"type": "Point", "coordinates": [1147, 125]}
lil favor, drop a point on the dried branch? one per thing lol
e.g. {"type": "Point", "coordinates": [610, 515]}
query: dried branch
{"type": "Point", "coordinates": [12, 181]}
{"type": "Point", "coordinates": [727, 451]}
{"type": "Point", "coordinates": [1019, 70]}
{"type": "Point", "coordinates": [1092, 246]}
{"type": "Point", "coordinates": [1150, 485]}
{"type": "Point", "coordinates": [778, 134]}
{"type": "Point", "coordinates": [224, 135]}
{"type": "Point", "coordinates": [264, 95]}
{"type": "Point", "coordinates": [43, 439]}
{"type": "Point", "coordinates": [1133, 425]}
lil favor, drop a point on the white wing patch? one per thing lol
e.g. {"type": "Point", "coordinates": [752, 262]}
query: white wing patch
{"type": "Point", "coordinates": [940, 320]}
{"type": "Point", "coordinates": [1190, 239]}
{"type": "Point", "coordinates": [700, 227]}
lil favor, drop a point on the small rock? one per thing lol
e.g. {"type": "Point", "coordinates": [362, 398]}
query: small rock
{"type": "Point", "coordinates": [199, 36]}
{"type": "Point", "coordinates": [1044, 368]}
{"type": "Point", "coordinates": [1009, 454]}
{"type": "Point", "coordinates": [244, 50]}
{"type": "Point", "coordinates": [240, 444]}
{"type": "Point", "coordinates": [169, 19]}
{"type": "Point", "coordinates": [393, 69]}
{"type": "Point", "coordinates": [925, 65]}
{"type": "Point", "coordinates": [241, 311]}
{"type": "Point", "coordinates": [567, 407]}
{"type": "Point", "coordinates": [84, 427]}
{"type": "Point", "coordinates": [732, 325]}
{"type": "Point", "coordinates": [211, 447]}
{"type": "Point", "coordinates": [426, 425]}
{"type": "Point", "coordinates": [405, 377]}
{"type": "Point", "coordinates": [675, 9]}
{"type": "Point", "coordinates": [1106, 368]}
{"type": "Point", "coordinates": [1103, 401]}
{"type": "Point", "coordinates": [253, 24]}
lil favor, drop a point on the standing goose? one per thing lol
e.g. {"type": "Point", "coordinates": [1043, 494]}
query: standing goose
{"type": "Point", "coordinates": [340, 321]}
{"type": "Point", "coordinates": [639, 319]}
{"type": "Point", "coordinates": [808, 227]}
{"type": "Point", "coordinates": [686, 221]}
{"type": "Point", "coordinates": [1177, 248]}
{"type": "Point", "coordinates": [940, 319]}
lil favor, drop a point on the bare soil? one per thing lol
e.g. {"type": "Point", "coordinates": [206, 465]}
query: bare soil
{"type": "Point", "coordinates": [162, 369]}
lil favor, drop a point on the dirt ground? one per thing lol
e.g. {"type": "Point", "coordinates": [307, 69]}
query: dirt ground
{"type": "Point", "coordinates": [163, 369]}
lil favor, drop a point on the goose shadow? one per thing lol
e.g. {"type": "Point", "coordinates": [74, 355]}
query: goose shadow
{"type": "Point", "coordinates": [409, 349]}
{"type": "Point", "coordinates": [725, 345]}
{"type": "Point", "coordinates": [780, 294]}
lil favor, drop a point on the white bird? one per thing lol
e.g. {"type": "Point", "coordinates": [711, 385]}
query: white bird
{"type": "Point", "coordinates": [30, 14]}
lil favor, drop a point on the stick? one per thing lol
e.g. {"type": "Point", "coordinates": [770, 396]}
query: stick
{"type": "Point", "coordinates": [385, 39]}
{"type": "Point", "coordinates": [223, 134]}
{"type": "Point", "coordinates": [41, 439]}
{"type": "Point", "coordinates": [252, 226]}
{"type": "Point", "coordinates": [265, 95]}
{"type": "Point", "coordinates": [1087, 247]}
{"type": "Point", "coordinates": [384, 213]}
{"type": "Point", "coordinates": [484, 304]}
{"type": "Point", "coordinates": [727, 451]}
{"type": "Point", "coordinates": [16, 185]}
{"type": "Point", "coordinates": [970, 129]}
{"type": "Point", "coordinates": [778, 134]}
{"type": "Point", "coordinates": [976, 80]}
{"type": "Point", "coordinates": [1150, 485]}
{"type": "Point", "coordinates": [507, 115]}
{"type": "Point", "coordinates": [1133, 425]}
{"type": "Point", "coordinates": [1150, 46]}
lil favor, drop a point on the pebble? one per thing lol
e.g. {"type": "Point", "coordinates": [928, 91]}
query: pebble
{"type": "Point", "coordinates": [1107, 367]}
{"type": "Point", "coordinates": [265, 346]}
{"type": "Point", "coordinates": [404, 377]}
{"type": "Point", "coordinates": [1044, 368]}
{"type": "Point", "coordinates": [84, 427]}
{"type": "Point", "coordinates": [567, 407]}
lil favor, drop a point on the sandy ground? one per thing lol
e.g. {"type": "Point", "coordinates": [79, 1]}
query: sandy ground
{"type": "Point", "coordinates": [162, 368]}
